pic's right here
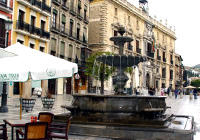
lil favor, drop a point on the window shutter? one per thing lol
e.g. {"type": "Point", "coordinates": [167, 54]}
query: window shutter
{"type": "Point", "coordinates": [55, 11]}
{"type": "Point", "coordinates": [53, 44]}
{"type": "Point", "coordinates": [62, 49]}
{"type": "Point", "coordinates": [63, 18]}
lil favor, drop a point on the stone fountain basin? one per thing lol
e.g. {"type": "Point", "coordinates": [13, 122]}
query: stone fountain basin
{"type": "Point", "coordinates": [118, 103]}
{"type": "Point", "coordinates": [121, 61]}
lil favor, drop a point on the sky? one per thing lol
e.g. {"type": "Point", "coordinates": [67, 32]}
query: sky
{"type": "Point", "coordinates": [185, 16]}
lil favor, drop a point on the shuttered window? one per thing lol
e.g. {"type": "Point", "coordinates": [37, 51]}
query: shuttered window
{"type": "Point", "coordinates": [62, 48]}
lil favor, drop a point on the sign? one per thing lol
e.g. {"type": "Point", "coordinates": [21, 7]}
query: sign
{"type": "Point", "coordinates": [77, 76]}
{"type": "Point", "coordinates": [9, 77]}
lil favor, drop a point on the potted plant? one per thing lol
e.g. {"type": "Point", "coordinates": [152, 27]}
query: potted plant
{"type": "Point", "coordinates": [48, 100]}
{"type": "Point", "coordinates": [28, 104]}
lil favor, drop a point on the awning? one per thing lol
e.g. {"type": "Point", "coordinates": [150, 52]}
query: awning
{"type": "Point", "coordinates": [3, 17]}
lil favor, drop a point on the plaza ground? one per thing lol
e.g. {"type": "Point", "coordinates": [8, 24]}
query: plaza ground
{"type": "Point", "coordinates": [184, 106]}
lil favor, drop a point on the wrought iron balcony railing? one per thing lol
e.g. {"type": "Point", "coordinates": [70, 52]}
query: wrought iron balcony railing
{"type": "Point", "coordinates": [65, 6]}
{"type": "Point", "coordinates": [55, 27]}
{"type": "Point", "coordinates": [72, 10]}
{"type": "Point", "coordinates": [150, 54]}
{"type": "Point", "coordinates": [159, 57]}
{"type": "Point", "coordinates": [56, 2]}
{"type": "Point", "coordinates": [86, 19]}
{"type": "Point", "coordinates": [138, 50]}
{"type": "Point", "coordinates": [32, 29]}
{"type": "Point", "coordinates": [79, 15]}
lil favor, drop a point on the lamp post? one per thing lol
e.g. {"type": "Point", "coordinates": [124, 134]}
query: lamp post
{"type": "Point", "coordinates": [4, 107]}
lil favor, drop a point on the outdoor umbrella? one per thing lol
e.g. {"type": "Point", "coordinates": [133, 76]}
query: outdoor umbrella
{"type": "Point", "coordinates": [190, 87]}
{"type": "Point", "coordinates": [33, 63]}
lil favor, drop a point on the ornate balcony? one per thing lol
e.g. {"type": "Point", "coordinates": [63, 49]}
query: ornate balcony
{"type": "Point", "coordinates": [150, 54]}
{"type": "Point", "coordinates": [55, 27]}
{"type": "Point", "coordinates": [72, 35]}
{"type": "Point", "coordinates": [64, 31]}
{"type": "Point", "coordinates": [65, 6]}
{"type": "Point", "coordinates": [159, 57]}
{"type": "Point", "coordinates": [79, 15]}
{"type": "Point", "coordinates": [31, 29]}
{"type": "Point", "coordinates": [72, 10]}
{"type": "Point", "coordinates": [57, 2]}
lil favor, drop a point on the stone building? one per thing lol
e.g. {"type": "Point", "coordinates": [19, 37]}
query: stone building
{"type": "Point", "coordinates": [151, 39]}
{"type": "Point", "coordinates": [69, 39]}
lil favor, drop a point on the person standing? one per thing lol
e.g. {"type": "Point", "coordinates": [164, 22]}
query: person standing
{"type": "Point", "coordinates": [176, 91]}
{"type": "Point", "coordinates": [138, 91]}
{"type": "Point", "coordinates": [191, 93]}
{"type": "Point", "coordinates": [195, 93]}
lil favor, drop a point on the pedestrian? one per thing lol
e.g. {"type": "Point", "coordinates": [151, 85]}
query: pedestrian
{"type": "Point", "coordinates": [151, 91]}
{"type": "Point", "coordinates": [195, 93]}
{"type": "Point", "coordinates": [176, 91]}
{"type": "Point", "coordinates": [165, 90]}
{"type": "Point", "coordinates": [168, 91]}
{"type": "Point", "coordinates": [162, 91]}
{"type": "Point", "coordinates": [191, 94]}
{"type": "Point", "coordinates": [138, 91]}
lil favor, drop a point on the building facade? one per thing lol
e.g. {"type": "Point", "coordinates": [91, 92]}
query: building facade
{"type": "Point", "coordinates": [152, 39]}
{"type": "Point", "coordinates": [31, 27]}
{"type": "Point", "coordinates": [6, 9]}
{"type": "Point", "coordinates": [69, 39]}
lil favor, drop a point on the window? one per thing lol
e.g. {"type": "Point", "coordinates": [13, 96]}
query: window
{"type": "Point", "coordinates": [78, 32]}
{"type": "Point", "coordinates": [70, 51]}
{"type": "Point", "coordinates": [2, 33]}
{"type": "Point", "coordinates": [32, 20]}
{"type": "Point", "coordinates": [129, 19]}
{"type": "Point", "coordinates": [20, 41]}
{"type": "Point", "coordinates": [115, 11]}
{"type": "Point", "coordinates": [63, 23]}
{"type": "Point", "coordinates": [43, 1]}
{"type": "Point", "coordinates": [85, 12]}
{"type": "Point", "coordinates": [54, 17]}
{"type": "Point", "coordinates": [163, 73]}
{"type": "Point", "coordinates": [85, 35]}
{"type": "Point", "coordinates": [64, 2]}
{"type": "Point", "coordinates": [32, 46]}
{"type": "Point", "coordinates": [115, 34]}
{"type": "Point", "coordinates": [71, 28]}
{"type": "Point", "coordinates": [137, 24]}
{"type": "Point", "coordinates": [41, 49]}
{"type": "Point", "coordinates": [171, 74]}
{"type": "Point", "coordinates": [149, 47]}
{"type": "Point", "coordinates": [78, 53]}
{"type": "Point", "coordinates": [53, 44]}
{"type": "Point", "coordinates": [157, 35]}
{"type": "Point", "coordinates": [79, 7]}
{"type": "Point", "coordinates": [21, 15]}
{"type": "Point", "coordinates": [157, 52]}
{"type": "Point", "coordinates": [62, 50]}
{"type": "Point", "coordinates": [42, 25]}
{"type": "Point", "coordinates": [137, 44]}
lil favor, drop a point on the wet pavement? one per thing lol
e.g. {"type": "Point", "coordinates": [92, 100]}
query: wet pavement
{"type": "Point", "coordinates": [184, 106]}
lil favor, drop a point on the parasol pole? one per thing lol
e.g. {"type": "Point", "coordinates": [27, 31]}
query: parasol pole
{"type": "Point", "coordinates": [20, 91]}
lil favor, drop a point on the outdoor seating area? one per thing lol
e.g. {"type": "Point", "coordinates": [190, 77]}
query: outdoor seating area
{"type": "Point", "coordinates": [41, 128]}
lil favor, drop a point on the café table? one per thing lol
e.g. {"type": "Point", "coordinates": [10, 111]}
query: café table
{"type": "Point", "coordinates": [15, 123]}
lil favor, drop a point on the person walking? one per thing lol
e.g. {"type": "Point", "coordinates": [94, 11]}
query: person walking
{"type": "Point", "coordinates": [168, 91]}
{"type": "Point", "coordinates": [195, 93]}
{"type": "Point", "coordinates": [191, 94]}
{"type": "Point", "coordinates": [176, 91]}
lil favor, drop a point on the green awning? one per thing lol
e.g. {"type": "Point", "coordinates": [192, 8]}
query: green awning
{"type": "Point", "coordinates": [63, 18]}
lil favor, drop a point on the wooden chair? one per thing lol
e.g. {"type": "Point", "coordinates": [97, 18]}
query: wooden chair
{"type": "Point", "coordinates": [54, 130]}
{"type": "Point", "coordinates": [3, 132]}
{"type": "Point", "coordinates": [33, 131]}
{"type": "Point", "coordinates": [46, 117]}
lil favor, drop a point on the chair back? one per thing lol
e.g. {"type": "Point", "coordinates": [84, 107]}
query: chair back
{"type": "Point", "coordinates": [68, 123]}
{"type": "Point", "coordinates": [46, 117]}
{"type": "Point", "coordinates": [36, 131]}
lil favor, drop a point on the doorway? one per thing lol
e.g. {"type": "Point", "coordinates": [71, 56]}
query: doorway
{"type": "Point", "coordinates": [148, 80]}
{"type": "Point", "coordinates": [69, 85]}
{"type": "Point", "coordinates": [52, 86]}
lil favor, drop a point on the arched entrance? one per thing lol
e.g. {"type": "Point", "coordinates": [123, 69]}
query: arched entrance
{"type": "Point", "coordinates": [147, 80]}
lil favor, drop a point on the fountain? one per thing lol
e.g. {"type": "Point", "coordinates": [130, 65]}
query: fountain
{"type": "Point", "coordinates": [123, 116]}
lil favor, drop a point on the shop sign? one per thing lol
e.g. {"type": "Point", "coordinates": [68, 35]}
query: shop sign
{"type": "Point", "coordinates": [77, 76]}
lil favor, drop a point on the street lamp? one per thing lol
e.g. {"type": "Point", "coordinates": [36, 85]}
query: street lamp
{"type": "Point", "coordinates": [4, 107]}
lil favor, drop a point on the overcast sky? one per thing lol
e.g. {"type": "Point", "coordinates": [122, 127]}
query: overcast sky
{"type": "Point", "coordinates": [185, 16]}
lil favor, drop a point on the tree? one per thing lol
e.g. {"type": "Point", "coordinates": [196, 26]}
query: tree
{"type": "Point", "coordinates": [97, 69]}
{"type": "Point", "coordinates": [195, 83]}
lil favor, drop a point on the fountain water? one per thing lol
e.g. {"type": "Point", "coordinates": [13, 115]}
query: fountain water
{"type": "Point", "coordinates": [122, 116]}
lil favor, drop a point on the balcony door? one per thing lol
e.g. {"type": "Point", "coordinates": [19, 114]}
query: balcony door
{"type": "Point", "coordinates": [2, 33]}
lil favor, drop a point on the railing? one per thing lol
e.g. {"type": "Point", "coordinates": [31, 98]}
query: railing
{"type": "Point", "coordinates": [138, 50]}
{"type": "Point", "coordinates": [65, 6]}
{"type": "Point", "coordinates": [56, 2]}
{"type": "Point", "coordinates": [159, 57]}
{"type": "Point", "coordinates": [86, 19]}
{"type": "Point", "coordinates": [46, 8]}
{"type": "Point", "coordinates": [72, 35]}
{"type": "Point", "coordinates": [55, 26]}
{"type": "Point", "coordinates": [150, 54]}
{"type": "Point", "coordinates": [79, 38]}
{"type": "Point", "coordinates": [32, 29]}
{"type": "Point", "coordinates": [72, 10]}
{"type": "Point", "coordinates": [4, 4]}
{"type": "Point", "coordinates": [164, 60]}
{"type": "Point", "coordinates": [40, 5]}
{"type": "Point", "coordinates": [64, 31]}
